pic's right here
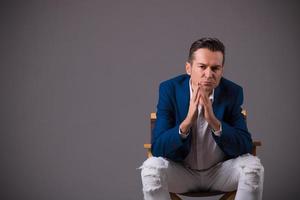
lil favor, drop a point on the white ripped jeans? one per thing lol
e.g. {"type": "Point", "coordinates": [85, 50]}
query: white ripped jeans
{"type": "Point", "coordinates": [244, 174]}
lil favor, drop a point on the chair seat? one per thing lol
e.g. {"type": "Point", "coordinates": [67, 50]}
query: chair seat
{"type": "Point", "coordinates": [202, 194]}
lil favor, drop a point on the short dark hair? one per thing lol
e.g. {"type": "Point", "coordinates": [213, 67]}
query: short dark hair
{"type": "Point", "coordinates": [212, 44]}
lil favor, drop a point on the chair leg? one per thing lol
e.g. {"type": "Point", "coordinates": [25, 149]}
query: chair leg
{"type": "Point", "coordinates": [174, 196]}
{"type": "Point", "coordinates": [228, 196]}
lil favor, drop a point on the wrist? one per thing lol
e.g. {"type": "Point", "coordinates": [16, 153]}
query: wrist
{"type": "Point", "coordinates": [215, 125]}
{"type": "Point", "coordinates": [185, 127]}
{"type": "Point", "coordinates": [217, 132]}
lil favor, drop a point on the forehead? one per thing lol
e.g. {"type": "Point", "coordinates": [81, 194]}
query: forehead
{"type": "Point", "coordinates": [208, 57]}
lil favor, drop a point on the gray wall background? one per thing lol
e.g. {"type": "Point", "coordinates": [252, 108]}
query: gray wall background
{"type": "Point", "coordinates": [79, 79]}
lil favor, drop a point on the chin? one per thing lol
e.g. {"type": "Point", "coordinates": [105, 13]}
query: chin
{"type": "Point", "coordinates": [208, 88]}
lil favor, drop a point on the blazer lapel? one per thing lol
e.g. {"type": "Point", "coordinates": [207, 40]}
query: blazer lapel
{"type": "Point", "coordinates": [217, 107]}
{"type": "Point", "coordinates": [184, 98]}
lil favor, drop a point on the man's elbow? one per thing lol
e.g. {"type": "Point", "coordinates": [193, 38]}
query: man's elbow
{"type": "Point", "coordinates": [248, 146]}
{"type": "Point", "coordinates": [156, 151]}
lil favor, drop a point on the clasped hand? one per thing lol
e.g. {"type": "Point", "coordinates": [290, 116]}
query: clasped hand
{"type": "Point", "coordinates": [200, 97]}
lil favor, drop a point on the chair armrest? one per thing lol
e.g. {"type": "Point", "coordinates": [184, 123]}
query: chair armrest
{"type": "Point", "coordinates": [256, 143]}
{"type": "Point", "coordinates": [148, 148]}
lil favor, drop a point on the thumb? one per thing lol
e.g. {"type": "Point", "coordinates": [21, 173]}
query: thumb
{"type": "Point", "coordinates": [200, 100]}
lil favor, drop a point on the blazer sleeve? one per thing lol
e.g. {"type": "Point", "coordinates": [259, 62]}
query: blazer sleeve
{"type": "Point", "coordinates": [235, 139]}
{"type": "Point", "coordinates": [166, 141]}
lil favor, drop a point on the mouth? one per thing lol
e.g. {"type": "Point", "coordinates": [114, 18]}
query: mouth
{"type": "Point", "coordinates": [206, 83]}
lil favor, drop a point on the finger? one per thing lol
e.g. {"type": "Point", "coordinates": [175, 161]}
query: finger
{"type": "Point", "coordinates": [198, 98]}
{"type": "Point", "coordinates": [205, 97]}
{"type": "Point", "coordinates": [196, 93]}
{"type": "Point", "coordinates": [204, 93]}
{"type": "Point", "coordinates": [200, 101]}
{"type": "Point", "coordinates": [205, 100]}
{"type": "Point", "coordinates": [199, 90]}
{"type": "Point", "coordinates": [191, 82]}
{"type": "Point", "coordinates": [193, 86]}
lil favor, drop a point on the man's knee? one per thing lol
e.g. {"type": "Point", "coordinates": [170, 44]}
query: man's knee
{"type": "Point", "coordinates": [252, 171]}
{"type": "Point", "coordinates": [154, 174]}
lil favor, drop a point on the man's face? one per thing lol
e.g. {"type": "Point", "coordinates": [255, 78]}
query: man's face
{"type": "Point", "coordinates": [206, 69]}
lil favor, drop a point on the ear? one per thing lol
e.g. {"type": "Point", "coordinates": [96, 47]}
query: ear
{"type": "Point", "coordinates": [188, 68]}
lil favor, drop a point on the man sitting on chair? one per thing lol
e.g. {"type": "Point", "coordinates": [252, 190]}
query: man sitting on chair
{"type": "Point", "coordinates": [200, 140]}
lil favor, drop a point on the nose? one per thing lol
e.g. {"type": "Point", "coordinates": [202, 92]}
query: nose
{"type": "Point", "coordinates": [208, 73]}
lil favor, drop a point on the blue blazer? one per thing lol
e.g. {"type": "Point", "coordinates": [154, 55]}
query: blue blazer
{"type": "Point", "coordinates": [172, 108]}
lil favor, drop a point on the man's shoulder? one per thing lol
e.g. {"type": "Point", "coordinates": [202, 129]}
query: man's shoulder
{"type": "Point", "coordinates": [228, 83]}
{"type": "Point", "coordinates": [229, 86]}
{"type": "Point", "coordinates": [176, 80]}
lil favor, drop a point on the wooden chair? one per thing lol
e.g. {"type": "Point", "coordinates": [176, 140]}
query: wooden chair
{"type": "Point", "coordinates": [225, 195]}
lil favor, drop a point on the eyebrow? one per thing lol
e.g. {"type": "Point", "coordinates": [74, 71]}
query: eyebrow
{"type": "Point", "coordinates": [207, 65]}
{"type": "Point", "coordinates": [201, 64]}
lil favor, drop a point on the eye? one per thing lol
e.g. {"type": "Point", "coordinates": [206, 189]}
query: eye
{"type": "Point", "coordinates": [202, 66]}
{"type": "Point", "coordinates": [214, 69]}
